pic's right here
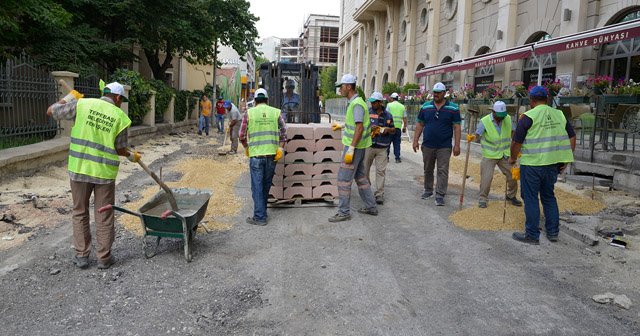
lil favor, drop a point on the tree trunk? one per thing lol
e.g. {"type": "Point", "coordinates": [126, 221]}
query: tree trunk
{"type": "Point", "coordinates": [158, 69]}
{"type": "Point", "coordinates": [215, 66]}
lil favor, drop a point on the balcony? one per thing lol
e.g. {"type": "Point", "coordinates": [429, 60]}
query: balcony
{"type": "Point", "coordinates": [367, 9]}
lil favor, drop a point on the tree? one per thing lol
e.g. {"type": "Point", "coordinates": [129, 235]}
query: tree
{"type": "Point", "coordinates": [328, 79]}
{"type": "Point", "coordinates": [260, 60]}
{"type": "Point", "coordinates": [391, 87]}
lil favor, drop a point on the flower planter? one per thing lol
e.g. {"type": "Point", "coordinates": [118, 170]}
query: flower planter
{"type": "Point", "coordinates": [621, 99]}
{"type": "Point", "coordinates": [507, 100]}
{"type": "Point", "coordinates": [573, 100]}
{"type": "Point", "coordinates": [478, 101]}
{"type": "Point", "coordinates": [524, 101]}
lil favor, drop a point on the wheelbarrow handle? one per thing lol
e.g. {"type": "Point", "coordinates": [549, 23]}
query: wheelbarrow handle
{"type": "Point", "coordinates": [169, 213]}
{"type": "Point", "coordinates": [114, 207]}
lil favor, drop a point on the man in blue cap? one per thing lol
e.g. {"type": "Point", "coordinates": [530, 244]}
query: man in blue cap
{"type": "Point", "coordinates": [546, 141]}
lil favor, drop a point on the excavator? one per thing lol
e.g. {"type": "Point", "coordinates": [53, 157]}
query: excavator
{"type": "Point", "coordinates": [276, 75]}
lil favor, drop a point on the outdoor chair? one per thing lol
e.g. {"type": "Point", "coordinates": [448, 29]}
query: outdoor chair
{"type": "Point", "coordinates": [618, 126]}
{"type": "Point", "coordinates": [583, 120]}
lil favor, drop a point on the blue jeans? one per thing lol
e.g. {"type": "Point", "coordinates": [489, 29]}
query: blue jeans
{"type": "Point", "coordinates": [349, 172]}
{"type": "Point", "coordinates": [220, 122]}
{"type": "Point", "coordinates": [540, 180]}
{"type": "Point", "coordinates": [395, 141]}
{"type": "Point", "coordinates": [262, 170]}
{"type": "Point", "coordinates": [203, 125]}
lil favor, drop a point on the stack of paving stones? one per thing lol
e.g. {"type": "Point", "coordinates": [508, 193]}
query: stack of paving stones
{"type": "Point", "coordinates": [309, 169]}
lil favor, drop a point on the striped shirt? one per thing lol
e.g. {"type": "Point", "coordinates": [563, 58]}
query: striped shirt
{"type": "Point", "coordinates": [438, 124]}
{"type": "Point", "coordinates": [68, 112]}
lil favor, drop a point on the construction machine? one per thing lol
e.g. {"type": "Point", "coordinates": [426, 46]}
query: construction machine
{"type": "Point", "coordinates": [303, 110]}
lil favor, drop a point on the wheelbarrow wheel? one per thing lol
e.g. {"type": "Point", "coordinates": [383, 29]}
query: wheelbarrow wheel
{"type": "Point", "coordinates": [150, 251]}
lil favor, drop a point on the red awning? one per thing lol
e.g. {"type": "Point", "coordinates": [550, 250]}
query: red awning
{"type": "Point", "coordinates": [593, 37]}
{"type": "Point", "coordinates": [496, 57]}
{"type": "Point", "coordinates": [438, 69]}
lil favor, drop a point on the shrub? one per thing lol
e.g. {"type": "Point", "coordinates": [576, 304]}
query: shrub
{"type": "Point", "coordinates": [181, 108]}
{"type": "Point", "coordinates": [138, 96]}
{"type": "Point", "coordinates": [390, 88]}
{"type": "Point", "coordinates": [410, 87]}
{"type": "Point", "coordinates": [163, 97]}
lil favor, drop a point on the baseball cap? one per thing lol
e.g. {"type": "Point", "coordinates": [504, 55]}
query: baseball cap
{"type": "Point", "coordinates": [346, 79]}
{"type": "Point", "coordinates": [116, 88]}
{"type": "Point", "coordinates": [290, 83]}
{"type": "Point", "coordinates": [538, 91]}
{"type": "Point", "coordinates": [227, 103]}
{"type": "Point", "coordinates": [394, 95]}
{"type": "Point", "coordinates": [500, 108]}
{"type": "Point", "coordinates": [261, 93]}
{"type": "Point", "coordinates": [439, 87]}
{"type": "Point", "coordinates": [376, 96]}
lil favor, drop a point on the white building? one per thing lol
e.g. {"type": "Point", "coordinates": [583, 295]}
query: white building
{"type": "Point", "coordinates": [320, 40]}
{"type": "Point", "coordinates": [390, 40]}
{"type": "Point", "coordinates": [268, 47]}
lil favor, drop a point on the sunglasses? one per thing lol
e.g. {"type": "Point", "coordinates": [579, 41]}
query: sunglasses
{"type": "Point", "coordinates": [437, 115]}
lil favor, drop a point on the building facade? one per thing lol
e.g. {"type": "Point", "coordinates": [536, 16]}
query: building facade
{"type": "Point", "coordinates": [389, 41]}
{"type": "Point", "coordinates": [268, 47]}
{"type": "Point", "coordinates": [320, 40]}
{"type": "Point", "coordinates": [289, 50]}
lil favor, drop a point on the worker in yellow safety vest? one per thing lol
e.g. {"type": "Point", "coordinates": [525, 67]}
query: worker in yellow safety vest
{"type": "Point", "coordinates": [546, 140]}
{"type": "Point", "coordinates": [494, 131]}
{"type": "Point", "coordinates": [98, 137]}
{"type": "Point", "coordinates": [263, 135]}
{"type": "Point", "coordinates": [399, 114]}
{"type": "Point", "coordinates": [356, 138]}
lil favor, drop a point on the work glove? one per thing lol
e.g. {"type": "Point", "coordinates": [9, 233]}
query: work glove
{"type": "Point", "coordinates": [348, 156]}
{"type": "Point", "coordinates": [73, 95]}
{"type": "Point", "coordinates": [134, 156]}
{"type": "Point", "coordinates": [404, 130]}
{"type": "Point", "coordinates": [246, 151]}
{"type": "Point", "coordinates": [279, 154]}
{"type": "Point", "coordinates": [471, 137]}
{"type": "Point", "coordinates": [336, 127]}
{"type": "Point", "coordinates": [375, 130]}
{"type": "Point", "coordinates": [515, 173]}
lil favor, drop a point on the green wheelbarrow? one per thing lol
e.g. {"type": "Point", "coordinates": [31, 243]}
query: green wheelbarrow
{"type": "Point", "coordinates": [158, 220]}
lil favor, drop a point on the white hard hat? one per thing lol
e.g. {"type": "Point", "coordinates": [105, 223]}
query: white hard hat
{"type": "Point", "coordinates": [394, 95]}
{"type": "Point", "coordinates": [346, 79]}
{"type": "Point", "coordinates": [376, 96]}
{"type": "Point", "coordinates": [500, 108]}
{"type": "Point", "coordinates": [261, 93]}
{"type": "Point", "coordinates": [116, 88]}
{"type": "Point", "coordinates": [439, 87]}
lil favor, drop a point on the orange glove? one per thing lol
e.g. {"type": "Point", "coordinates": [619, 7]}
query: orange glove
{"type": "Point", "coordinates": [73, 95]}
{"type": "Point", "coordinates": [348, 156]}
{"type": "Point", "coordinates": [515, 173]}
{"type": "Point", "coordinates": [375, 130]}
{"type": "Point", "coordinates": [279, 154]}
{"type": "Point", "coordinates": [336, 127]}
{"type": "Point", "coordinates": [134, 156]}
{"type": "Point", "coordinates": [246, 151]}
{"type": "Point", "coordinates": [471, 137]}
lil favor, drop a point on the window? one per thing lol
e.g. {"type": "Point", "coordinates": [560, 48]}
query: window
{"type": "Point", "coordinates": [385, 79]}
{"type": "Point", "coordinates": [329, 34]}
{"type": "Point", "coordinates": [447, 77]}
{"type": "Point", "coordinates": [401, 77]}
{"type": "Point", "coordinates": [530, 67]}
{"type": "Point", "coordinates": [328, 54]}
{"type": "Point", "coordinates": [621, 60]}
{"type": "Point", "coordinates": [451, 6]}
{"type": "Point", "coordinates": [403, 30]}
{"type": "Point", "coordinates": [483, 76]}
{"type": "Point", "coordinates": [424, 19]}
{"type": "Point", "coordinates": [388, 38]}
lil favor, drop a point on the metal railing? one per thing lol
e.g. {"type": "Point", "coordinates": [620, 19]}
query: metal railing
{"type": "Point", "coordinates": [26, 90]}
{"type": "Point", "coordinates": [336, 106]}
{"type": "Point", "coordinates": [88, 86]}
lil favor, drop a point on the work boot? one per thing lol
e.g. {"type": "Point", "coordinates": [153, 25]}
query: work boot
{"type": "Point", "coordinates": [482, 204]}
{"type": "Point", "coordinates": [523, 238]}
{"type": "Point", "coordinates": [253, 221]}
{"type": "Point", "coordinates": [552, 238]}
{"type": "Point", "coordinates": [81, 262]}
{"type": "Point", "coordinates": [440, 201]}
{"type": "Point", "coordinates": [379, 199]}
{"type": "Point", "coordinates": [106, 264]}
{"type": "Point", "coordinates": [514, 201]}
{"type": "Point", "coordinates": [369, 211]}
{"type": "Point", "coordinates": [426, 194]}
{"type": "Point", "coordinates": [398, 160]}
{"type": "Point", "coordinates": [339, 218]}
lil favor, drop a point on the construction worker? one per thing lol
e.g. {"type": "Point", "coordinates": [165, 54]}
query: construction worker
{"type": "Point", "coordinates": [382, 132]}
{"type": "Point", "coordinates": [220, 111]}
{"type": "Point", "coordinates": [546, 141]}
{"type": "Point", "coordinates": [495, 131]}
{"type": "Point", "coordinates": [440, 120]}
{"type": "Point", "coordinates": [290, 99]}
{"type": "Point", "coordinates": [234, 125]}
{"type": "Point", "coordinates": [356, 138]}
{"type": "Point", "coordinates": [98, 137]}
{"type": "Point", "coordinates": [263, 135]}
{"type": "Point", "coordinates": [399, 114]}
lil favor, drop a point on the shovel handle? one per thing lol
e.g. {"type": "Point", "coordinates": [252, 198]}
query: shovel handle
{"type": "Point", "coordinates": [171, 197]}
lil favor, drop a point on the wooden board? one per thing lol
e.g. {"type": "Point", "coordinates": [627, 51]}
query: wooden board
{"type": "Point", "coordinates": [303, 202]}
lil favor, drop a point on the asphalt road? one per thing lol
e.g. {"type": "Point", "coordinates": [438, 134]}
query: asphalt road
{"type": "Point", "coordinates": [407, 271]}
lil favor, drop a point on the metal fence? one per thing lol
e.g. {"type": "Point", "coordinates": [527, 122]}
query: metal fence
{"type": "Point", "coordinates": [88, 86]}
{"type": "Point", "coordinates": [26, 90]}
{"type": "Point", "coordinates": [336, 106]}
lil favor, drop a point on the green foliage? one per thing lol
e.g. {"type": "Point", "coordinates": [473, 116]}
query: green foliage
{"type": "Point", "coordinates": [361, 93]}
{"type": "Point", "coordinates": [181, 105]}
{"type": "Point", "coordinates": [260, 60]}
{"type": "Point", "coordinates": [328, 78]}
{"type": "Point", "coordinates": [139, 95]}
{"type": "Point", "coordinates": [232, 24]}
{"type": "Point", "coordinates": [410, 86]}
{"type": "Point", "coordinates": [163, 96]}
{"type": "Point", "coordinates": [390, 88]}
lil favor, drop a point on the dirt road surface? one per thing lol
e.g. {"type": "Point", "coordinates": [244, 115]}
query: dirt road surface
{"type": "Point", "coordinates": [408, 271]}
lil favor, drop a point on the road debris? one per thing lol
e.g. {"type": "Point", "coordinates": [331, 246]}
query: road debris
{"type": "Point", "coordinates": [619, 300]}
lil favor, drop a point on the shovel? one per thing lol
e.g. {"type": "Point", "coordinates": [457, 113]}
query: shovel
{"type": "Point", "coordinates": [224, 144]}
{"type": "Point", "coordinates": [170, 196]}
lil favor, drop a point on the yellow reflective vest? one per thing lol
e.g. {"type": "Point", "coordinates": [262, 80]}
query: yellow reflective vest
{"type": "Point", "coordinates": [350, 126]}
{"type": "Point", "coordinates": [262, 130]}
{"type": "Point", "coordinates": [547, 141]}
{"type": "Point", "coordinates": [494, 145]}
{"type": "Point", "coordinates": [397, 111]}
{"type": "Point", "coordinates": [92, 150]}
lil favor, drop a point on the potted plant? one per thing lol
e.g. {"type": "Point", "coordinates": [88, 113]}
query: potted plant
{"type": "Point", "coordinates": [574, 96]}
{"type": "Point", "coordinates": [599, 84]}
{"type": "Point", "coordinates": [553, 87]}
{"type": "Point", "coordinates": [625, 92]}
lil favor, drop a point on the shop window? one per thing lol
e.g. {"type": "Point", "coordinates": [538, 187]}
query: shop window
{"type": "Point", "coordinates": [530, 67]}
{"type": "Point", "coordinates": [621, 59]}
